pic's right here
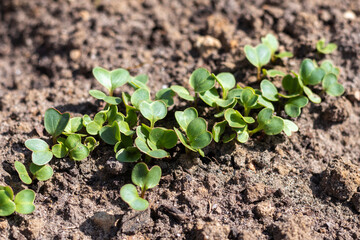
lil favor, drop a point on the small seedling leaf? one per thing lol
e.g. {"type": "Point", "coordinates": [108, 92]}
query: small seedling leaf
{"type": "Point", "coordinates": [182, 92]}
{"type": "Point", "coordinates": [294, 105]}
{"type": "Point", "coordinates": [139, 96]}
{"type": "Point", "coordinates": [291, 84]}
{"type": "Point", "coordinates": [7, 206]}
{"type": "Point", "coordinates": [74, 125]}
{"type": "Point", "coordinates": [284, 55]}
{"type": "Point", "coordinates": [41, 152]}
{"type": "Point", "coordinates": [185, 117]}
{"type": "Point", "coordinates": [163, 138]}
{"type": "Point", "coordinates": [201, 80]}
{"type": "Point", "coordinates": [153, 111]}
{"type": "Point", "coordinates": [42, 173]}
{"type": "Point", "coordinates": [325, 49]}
{"type": "Point", "coordinates": [271, 42]}
{"type": "Point", "coordinates": [312, 96]}
{"type": "Point", "coordinates": [55, 122]}
{"type": "Point", "coordinates": [110, 134]}
{"type": "Point", "coordinates": [197, 133]}
{"type": "Point", "coordinates": [271, 125]}
{"type": "Point", "coordinates": [145, 178]}
{"type": "Point", "coordinates": [91, 143]}
{"type": "Point", "coordinates": [289, 127]}
{"type": "Point", "coordinates": [166, 95]}
{"type": "Point", "coordinates": [218, 130]}
{"type": "Point", "coordinates": [111, 79]}
{"type": "Point", "coordinates": [259, 56]}
{"type": "Point", "coordinates": [328, 67]}
{"type": "Point", "coordinates": [234, 118]}
{"type": "Point", "coordinates": [242, 135]}
{"type": "Point", "coordinates": [331, 85]}
{"type": "Point", "coordinates": [23, 174]}
{"type": "Point", "coordinates": [227, 81]}
{"type": "Point", "coordinates": [183, 140]}
{"type": "Point", "coordinates": [269, 91]}
{"type": "Point", "coordinates": [24, 201]}
{"type": "Point", "coordinates": [129, 154]}
{"type": "Point", "coordinates": [130, 195]}
{"type": "Point", "coordinates": [273, 73]}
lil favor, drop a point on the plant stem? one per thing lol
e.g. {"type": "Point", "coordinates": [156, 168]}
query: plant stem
{"type": "Point", "coordinates": [258, 128]}
{"type": "Point", "coordinates": [246, 111]}
{"type": "Point", "coordinates": [152, 124]}
{"type": "Point", "coordinates": [273, 58]}
{"type": "Point", "coordinates": [259, 73]}
{"type": "Point", "coordinates": [196, 100]}
{"type": "Point", "coordinates": [111, 92]}
{"type": "Point", "coordinates": [143, 193]}
{"type": "Point", "coordinates": [54, 140]}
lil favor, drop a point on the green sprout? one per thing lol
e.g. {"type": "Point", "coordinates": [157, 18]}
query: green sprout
{"type": "Point", "coordinates": [41, 173]}
{"type": "Point", "coordinates": [197, 136]}
{"type": "Point", "coordinates": [270, 124]}
{"type": "Point", "coordinates": [139, 96]}
{"type": "Point", "coordinates": [110, 79]}
{"type": "Point", "coordinates": [182, 92]}
{"type": "Point", "coordinates": [74, 125]}
{"type": "Point", "coordinates": [41, 153]}
{"type": "Point", "coordinates": [73, 147]}
{"type": "Point", "coordinates": [273, 73]}
{"type": "Point", "coordinates": [153, 111]}
{"type": "Point", "coordinates": [239, 123]}
{"type": "Point", "coordinates": [248, 99]}
{"type": "Point", "coordinates": [328, 67]}
{"type": "Point", "coordinates": [55, 122]}
{"type": "Point", "coordinates": [102, 96]}
{"type": "Point", "coordinates": [201, 80]}
{"type": "Point", "coordinates": [273, 44]}
{"type": "Point", "coordinates": [139, 81]}
{"type": "Point", "coordinates": [144, 178]}
{"type": "Point", "coordinates": [23, 202]}
{"type": "Point", "coordinates": [166, 95]}
{"type": "Point", "coordinates": [325, 49]}
{"type": "Point", "coordinates": [258, 56]}
{"type": "Point", "coordinates": [331, 86]}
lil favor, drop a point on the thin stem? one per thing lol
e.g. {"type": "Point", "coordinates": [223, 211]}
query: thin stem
{"type": "Point", "coordinates": [54, 140]}
{"type": "Point", "coordinates": [225, 94]}
{"type": "Point", "coordinates": [143, 193]}
{"type": "Point", "coordinates": [259, 73]}
{"type": "Point", "coordinates": [247, 111]}
{"type": "Point", "coordinates": [196, 99]}
{"type": "Point", "coordinates": [111, 92]}
{"type": "Point", "coordinates": [152, 124]}
{"type": "Point", "coordinates": [273, 58]}
{"type": "Point", "coordinates": [258, 128]}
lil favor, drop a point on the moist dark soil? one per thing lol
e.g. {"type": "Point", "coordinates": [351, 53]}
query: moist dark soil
{"type": "Point", "coordinates": [306, 186]}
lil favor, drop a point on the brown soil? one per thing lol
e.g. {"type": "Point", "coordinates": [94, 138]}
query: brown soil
{"type": "Point", "coordinates": [273, 187]}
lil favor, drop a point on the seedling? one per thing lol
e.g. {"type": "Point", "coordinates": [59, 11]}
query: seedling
{"type": "Point", "coordinates": [201, 80]}
{"type": "Point", "coordinates": [239, 124]}
{"type": "Point", "coordinates": [325, 49]}
{"type": "Point", "coordinates": [270, 124]}
{"type": "Point", "coordinates": [272, 43]}
{"type": "Point", "coordinates": [258, 56]}
{"type": "Point", "coordinates": [139, 96]}
{"type": "Point", "coordinates": [331, 86]}
{"type": "Point", "coordinates": [93, 127]}
{"type": "Point", "coordinates": [102, 96]}
{"type": "Point", "coordinates": [248, 99]}
{"type": "Point", "coordinates": [153, 111]}
{"type": "Point", "coordinates": [212, 98]}
{"type": "Point", "coordinates": [182, 92]}
{"type": "Point", "coordinates": [73, 146]}
{"type": "Point", "coordinates": [293, 106]}
{"type": "Point", "coordinates": [289, 127]}
{"type": "Point", "coordinates": [197, 136]}
{"type": "Point", "coordinates": [218, 130]}
{"type": "Point", "coordinates": [328, 67]}
{"type": "Point", "coordinates": [273, 73]}
{"type": "Point", "coordinates": [74, 125]}
{"type": "Point", "coordinates": [227, 82]}
{"type": "Point", "coordinates": [139, 81]}
{"type": "Point", "coordinates": [111, 79]}
{"type": "Point", "coordinates": [55, 122]}
{"type": "Point", "coordinates": [144, 178]}
{"type": "Point", "coordinates": [166, 95]}
{"type": "Point", "coordinates": [23, 202]}
{"type": "Point", "coordinates": [111, 133]}
{"type": "Point", "coordinates": [41, 173]}
{"type": "Point", "coordinates": [41, 152]}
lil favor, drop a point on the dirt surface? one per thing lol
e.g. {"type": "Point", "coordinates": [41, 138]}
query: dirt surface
{"type": "Point", "coordinates": [306, 186]}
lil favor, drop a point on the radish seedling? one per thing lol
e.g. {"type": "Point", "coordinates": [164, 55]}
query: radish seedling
{"type": "Point", "coordinates": [41, 173]}
{"type": "Point", "coordinates": [270, 124]}
{"type": "Point", "coordinates": [41, 153]}
{"type": "Point", "coordinates": [153, 111]}
{"type": "Point", "coordinates": [272, 43]}
{"type": "Point", "coordinates": [23, 202]}
{"type": "Point", "coordinates": [331, 86]}
{"type": "Point", "coordinates": [111, 79]}
{"type": "Point", "coordinates": [144, 178]}
{"type": "Point", "coordinates": [325, 49]}
{"type": "Point", "coordinates": [55, 122]}
{"type": "Point", "coordinates": [258, 56]}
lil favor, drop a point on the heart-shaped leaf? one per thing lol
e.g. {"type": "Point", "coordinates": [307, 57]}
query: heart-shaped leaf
{"type": "Point", "coordinates": [110, 134]}
{"type": "Point", "coordinates": [271, 125]}
{"type": "Point", "coordinates": [111, 79]}
{"type": "Point", "coordinates": [145, 178]}
{"type": "Point", "coordinates": [291, 84]}
{"type": "Point", "coordinates": [141, 144]}
{"type": "Point", "coordinates": [294, 105]}
{"type": "Point", "coordinates": [211, 98]}
{"type": "Point", "coordinates": [234, 118]}
{"type": "Point", "coordinates": [182, 92]}
{"type": "Point", "coordinates": [113, 115]}
{"type": "Point", "coordinates": [166, 95]}
{"type": "Point", "coordinates": [312, 96]}
{"type": "Point", "coordinates": [139, 96]}
{"type": "Point", "coordinates": [102, 96]}
{"type": "Point", "coordinates": [183, 140]}
{"type": "Point", "coordinates": [271, 42]}
{"type": "Point", "coordinates": [183, 118]}
{"type": "Point", "coordinates": [42, 173]}
{"type": "Point", "coordinates": [328, 67]}
{"type": "Point", "coordinates": [259, 56]}
{"type": "Point", "coordinates": [130, 195]}
{"type": "Point", "coordinates": [129, 154]}
{"type": "Point", "coordinates": [41, 153]}
{"type": "Point", "coordinates": [310, 74]}
{"type": "Point", "coordinates": [201, 80]}
{"type": "Point", "coordinates": [325, 49]}
{"type": "Point", "coordinates": [218, 130]}
{"type": "Point", "coordinates": [139, 81]}
{"type": "Point", "coordinates": [74, 125]}
{"type": "Point", "coordinates": [59, 150]}
{"type": "Point", "coordinates": [55, 122]}
{"type": "Point", "coordinates": [197, 133]}
{"type": "Point", "coordinates": [24, 201]}
{"type": "Point", "coordinates": [8, 191]}
{"type": "Point", "coordinates": [269, 91]}
{"type": "Point", "coordinates": [7, 206]}
{"type": "Point", "coordinates": [242, 135]}
{"type": "Point", "coordinates": [77, 151]}
{"type": "Point", "coordinates": [331, 85]}
{"type": "Point", "coordinates": [91, 143]}
{"type": "Point", "coordinates": [163, 138]}
{"type": "Point", "coordinates": [227, 81]}
{"type": "Point", "coordinates": [23, 174]}
{"type": "Point", "coordinates": [248, 99]}
{"type": "Point", "coordinates": [153, 111]}
{"type": "Point", "coordinates": [289, 127]}
{"type": "Point", "coordinates": [273, 73]}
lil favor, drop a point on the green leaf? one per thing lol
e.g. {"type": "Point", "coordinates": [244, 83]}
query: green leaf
{"type": "Point", "coordinates": [284, 55]}
{"type": "Point", "coordinates": [145, 178]}
{"type": "Point", "coordinates": [74, 125]}
{"type": "Point", "coordinates": [86, 120]}
{"type": "Point", "coordinates": [211, 98]}
{"type": "Point", "coordinates": [183, 118]}
{"type": "Point", "coordinates": [262, 102]}
{"type": "Point", "coordinates": [59, 150]}
{"type": "Point", "coordinates": [111, 79]}
{"type": "Point", "coordinates": [8, 191]}
{"type": "Point", "coordinates": [312, 96]}
{"type": "Point", "coordinates": [130, 195]}
{"type": "Point", "coordinates": [331, 85]}
{"type": "Point", "coordinates": [91, 143]}
{"type": "Point", "coordinates": [129, 154]}
{"type": "Point", "coordinates": [309, 73]}
{"type": "Point", "coordinates": [23, 174]}
{"type": "Point", "coordinates": [259, 56]}
{"type": "Point", "coordinates": [153, 111]}
{"type": "Point", "coordinates": [201, 80]}
{"type": "Point", "coordinates": [271, 125]}
{"type": "Point", "coordinates": [273, 73]}
{"type": "Point", "coordinates": [328, 67]}
{"type": "Point", "coordinates": [234, 118]}
{"type": "Point", "coordinates": [294, 105]}
{"type": "Point", "coordinates": [291, 84]}
{"type": "Point", "coordinates": [197, 133]}
{"type": "Point", "coordinates": [271, 42]}
{"type": "Point", "coordinates": [143, 147]}
{"type": "Point", "coordinates": [242, 135]}
{"type": "Point", "coordinates": [77, 151]}
{"type": "Point", "coordinates": [289, 127]}
{"type": "Point", "coordinates": [325, 49]}
{"type": "Point", "coordinates": [102, 96]}
{"type": "Point", "coordinates": [183, 140]}
{"type": "Point", "coordinates": [227, 81]}
{"type": "Point", "coordinates": [139, 96]}
{"type": "Point", "coordinates": [24, 201]}
{"type": "Point", "coordinates": [55, 122]}
{"type": "Point", "coordinates": [7, 206]}
{"type": "Point", "coordinates": [110, 134]}
{"type": "Point", "coordinates": [248, 98]}
{"type": "Point", "coordinates": [163, 138]}
{"type": "Point", "coordinates": [218, 130]}
{"type": "Point", "coordinates": [166, 95]}
{"type": "Point", "coordinates": [41, 153]}
{"type": "Point", "coordinates": [182, 92]}
{"type": "Point", "coordinates": [113, 115]}
{"type": "Point", "coordinates": [269, 91]}
{"type": "Point", "coordinates": [42, 173]}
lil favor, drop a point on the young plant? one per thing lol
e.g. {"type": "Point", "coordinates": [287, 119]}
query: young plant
{"type": "Point", "coordinates": [325, 49]}
{"type": "Point", "coordinates": [153, 111]}
{"type": "Point", "coordinates": [110, 79]}
{"type": "Point", "coordinates": [41, 153]}
{"type": "Point", "coordinates": [144, 178]}
{"type": "Point", "coordinates": [74, 125]}
{"type": "Point", "coordinates": [331, 86]}
{"type": "Point", "coordinates": [270, 124]}
{"type": "Point", "coordinates": [182, 92]}
{"type": "Point", "coordinates": [102, 96]}
{"type": "Point", "coordinates": [272, 43]}
{"type": "Point", "coordinates": [239, 124]}
{"type": "Point", "coordinates": [258, 56]}
{"type": "Point", "coordinates": [23, 202]}
{"type": "Point", "coordinates": [197, 136]}
{"type": "Point", "coordinates": [55, 122]}
{"type": "Point", "coordinates": [41, 173]}
{"type": "Point", "coordinates": [166, 95]}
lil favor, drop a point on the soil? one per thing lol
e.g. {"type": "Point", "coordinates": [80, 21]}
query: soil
{"type": "Point", "coordinates": [306, 186]}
